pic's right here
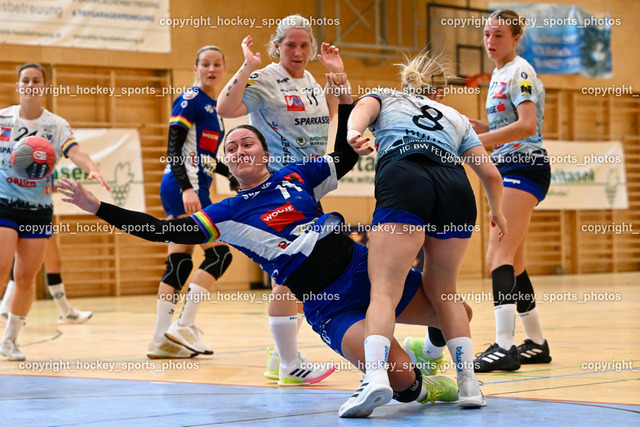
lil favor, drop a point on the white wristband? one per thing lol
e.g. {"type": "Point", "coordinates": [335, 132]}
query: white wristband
{"type": "Point", "coordinates": [352, 133]}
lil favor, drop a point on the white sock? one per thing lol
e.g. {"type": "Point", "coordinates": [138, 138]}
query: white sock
{"type": "Point", "coordinates": [284, 330]}
{"type": "Point", "coordinates": [423, 393]}
{"type": "Point", "coordinates": [14, 324]}
{"type": "Point", "coordinates": [531, 325]}
{"type": "Point", "coordinates": [461, 349]}
{"type": "Point", "coordinates": [431, 350]}
{"type": "Point", "coordinates": [195, 295]}
{"type": "Point", "coordinates": [300, 321]}
{"type": "Point", "coordinates": [505, 324]}
{"type": "Point", "coordinates": [163, 319]}
{"type": "Point", "coordinates": [6, 299]}
{"type": "Point", "coordinates": [60, 298]}
{"type": "Point", "coordinates": [376, 353]}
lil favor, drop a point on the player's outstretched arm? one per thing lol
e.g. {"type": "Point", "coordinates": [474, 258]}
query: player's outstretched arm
{"type": "Point", "coordinates": [230, 103]}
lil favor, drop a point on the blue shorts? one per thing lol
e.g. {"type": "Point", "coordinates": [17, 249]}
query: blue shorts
{"type": "Point", "coordinates": [333, 311]}
{"type": "Point", "coordinates": [29, 224]}
{"type": "Point", "coordinates": [171, 196]}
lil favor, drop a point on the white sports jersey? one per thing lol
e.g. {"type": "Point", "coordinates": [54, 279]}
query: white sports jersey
{"type": "Point", "coordinates": [29, 193]}
{"type": "Point", "coordinates": [511, 85]}
{"type": "Point", "coordinates": [410, 124]}
{"type": "Point", "coordinates": [292, 114]}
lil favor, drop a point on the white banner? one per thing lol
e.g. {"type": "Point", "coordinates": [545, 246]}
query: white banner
{"type": "Point", "coordinates": [586, 175]}
{"type": "Point", "coordinates": [118, 155]}
{"type": "Point", "coordinates": [133, 25]}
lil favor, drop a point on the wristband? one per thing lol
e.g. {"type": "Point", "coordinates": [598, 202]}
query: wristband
{"type": "Point", "coordinates": [351, 133]}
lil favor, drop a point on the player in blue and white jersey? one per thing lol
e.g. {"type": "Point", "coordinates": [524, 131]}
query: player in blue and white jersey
{"type": "Point", "coordinates": [276, 220]}
{"type": "Point", "coordinates": [515, 109]}
{"type": "Point", "coordinates": [195, 131]}
{"type": "Point", "coordinates": [26, 205]}
{"type": "Point", "coordinates": [288, 106]}
{"type": "Point", "coordinates": [423, 200]}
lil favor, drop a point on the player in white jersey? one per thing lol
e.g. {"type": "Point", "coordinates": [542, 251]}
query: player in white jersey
{"type": "Point", "coordinates": [515, 109]}
{"type": "Point", "coordinates": [290, 108]}
{"type": "Point", "coordinates": [26, 206]}
{"type": "Point", "coordinates": [276, 220]}
{"type": "Point", "coordinates": [423, 200]}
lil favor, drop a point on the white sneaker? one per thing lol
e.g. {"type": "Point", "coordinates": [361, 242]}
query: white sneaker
{"type": "Point", "coordinates": [167, 349]}
{"type": "Point", "coordinates": [10, 350]}
{"type": "Point", "coordinates": [469, 393]}
{"type": "Point", "coordinates": [303, 372]}
{"type": "Point", "coordinates": [188, 336]}
{"type": "Point", "coordinates": [74, 317]}
{"type": "Point", "coordinates": [368, 397]}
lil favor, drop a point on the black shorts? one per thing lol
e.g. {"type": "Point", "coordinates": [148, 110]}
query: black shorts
{"type": "Point", "coordinates": [423, 194]}
{"type": "Point", "coordinates": [29, 224]}
{"type": "Point", "coordinates": [534, 181]}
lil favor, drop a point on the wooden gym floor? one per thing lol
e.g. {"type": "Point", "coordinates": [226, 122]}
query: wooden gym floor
{"type": "Point", "coordinates": [97, 373]}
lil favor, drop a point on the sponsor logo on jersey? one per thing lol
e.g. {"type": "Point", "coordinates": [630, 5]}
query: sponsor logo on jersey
{"type": "Point", "coordinates": [184, 104]}
{"type": "Point", "coordinates": [5, 150]}
{"type": "Point", "coordinates": [279, 218]}
{"type": "Point", "coordinates": [250, 83]}
{"type": "Point", "coordinates": [524, 75]}
{"type": "Point", "coordinates": [283, 81]}
{"type": "Point", "coordinates": [301, 141]}
{"type": "Point", "coordinates": [294, 103]}
{"type": "Point", "coordinates": [254, 76]}
{"type": "Point", "coordinates": [500, 90]}
{"type": "Point", "coordinates": [525, 87]}
{"type": "Point", "coordinates": [29, 183]}
{"type": "Point", "coordinates": [319, 120]}
{"type": "Point", "coordinates": [190, 94]}
{"type": "Point", "coordinates": [495, 108]}
{"type": "Point", "coordinates": [294, 177]}
{"type": "Point", "coordinates": [209, 140]}
{"type": "Point", "coordinates": [5, 133]}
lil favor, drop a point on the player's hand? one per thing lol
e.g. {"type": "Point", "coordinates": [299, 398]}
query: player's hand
{"type": "Point", "coordinates": [252, 60]}
{"type": "Point", "coordinates": [359, 144]}
{"type": "Point", "coordinates": [76, 194]}
{"type": "Point", "coordinates": [95, 175]}
{"type": "Point", "coordinates": [498, 220]}
{"type": "Point", "coordinates": [330, 58]}
{"type": "Point", "coordinates": [339, 86]}
{"type": "Point", "coordinates": [191, 201]}
{"type": "Point", "coordinates": [479, 126]}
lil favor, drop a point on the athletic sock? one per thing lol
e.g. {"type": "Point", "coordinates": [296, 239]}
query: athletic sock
{"type": "Point", "coordinates": [195, 295]}
{"type": "Point", "coordinates": [461, 349]}
{"type": "Point", "coordinates": [6, 299]}
{"type": "Point", "coordinates": [434, 343]}
{"type": "Point", "coordinates": [505, 324]}
{"type": "Point", "coordinates": [284, 330]}
{"type": "Point", "coordinates": [504, 287]}
{"type": "Point", "coordinates": [531, 325]}
{"type": "Point", "coordinates": [60, 298]}
{"type": "Point", "coordinates": [376, 353]}
{"type": "Point", "coordinates": [163, 318]}
{"type": "Point", "coordinates": [14, 324]}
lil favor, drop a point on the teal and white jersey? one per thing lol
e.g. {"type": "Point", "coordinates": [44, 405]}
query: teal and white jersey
{"type": "Point", "coordinates": [510, 86]}
{"type": "Point", "coordinates": [23, 193]}
{"type": "Point", "coordinates": [414, 124]}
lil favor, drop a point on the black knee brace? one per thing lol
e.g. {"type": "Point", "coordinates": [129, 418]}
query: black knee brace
{"type": "Point", "coordinates": [179, 266]}
{"type": "Point", "coordinates": [504, 285]}
{"type": "Point", "coordinates": [527, 300]}
{"type": "Point", "coordinates": [412, 393]}
{"type": "Point", "coordinates": [216, 260]}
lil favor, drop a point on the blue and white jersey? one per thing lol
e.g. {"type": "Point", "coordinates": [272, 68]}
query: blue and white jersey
{"type": "Point", "coordinates": [195, 111]}
{"type": "Point", "coordinates": [278, 222]}
{"type": "Point", "coordinates": [510, 86]}
{"type": "Point", "coordinates": [291, 113]}
{"type": "Point", "coordinates": [414, 124]}
{"type": "Point", "coordinates": [31, 194]}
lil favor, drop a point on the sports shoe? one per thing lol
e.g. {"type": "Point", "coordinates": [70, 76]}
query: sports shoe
{"type": "Point", "coordinates": [368, 397]}
{"type": "Point", "coordinates": [74, 317]}
{"type": "Point", "coordinates": [272, 371]}
{"type": "Point", "coordinates": [530, 352]}
{"type": "Point", "coordinates": [167, 349]}
{"type": "Point", "coordinates": [469, 393]}
{"type": "Point", "coordinates": [427, 365]}
{"type": "Point", "coordinates": [10, 349]}
{"type": "Point", "coordinates": [439, 388]}
{"type": "Point", "coordinates": [496, 358]}
{"type": "Point", "coordinates": [188, 336]}
{"type": "Point", "coordinates": [304, 373]}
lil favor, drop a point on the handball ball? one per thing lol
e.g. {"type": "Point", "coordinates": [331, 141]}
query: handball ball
{"type": "Point", "coordinates": [33, 158]}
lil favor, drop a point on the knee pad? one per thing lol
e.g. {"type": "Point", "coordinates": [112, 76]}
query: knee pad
{"type": "Point", "coordinates": [179, 266]}
{"type": "Point", "coordinates": [412, 393]}
{"type": "Point", "coordinates": [504, 285]}
{"type": "Point", "coordinates": [527, 300]}
{"type": "Point", "coordinates": [216, 260]}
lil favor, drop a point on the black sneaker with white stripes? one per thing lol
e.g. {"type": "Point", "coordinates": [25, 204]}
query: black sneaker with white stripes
{"type": "Point", "coordinates": [530, 352]}
{"type": "Point", "coordinates": [496, 358]}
